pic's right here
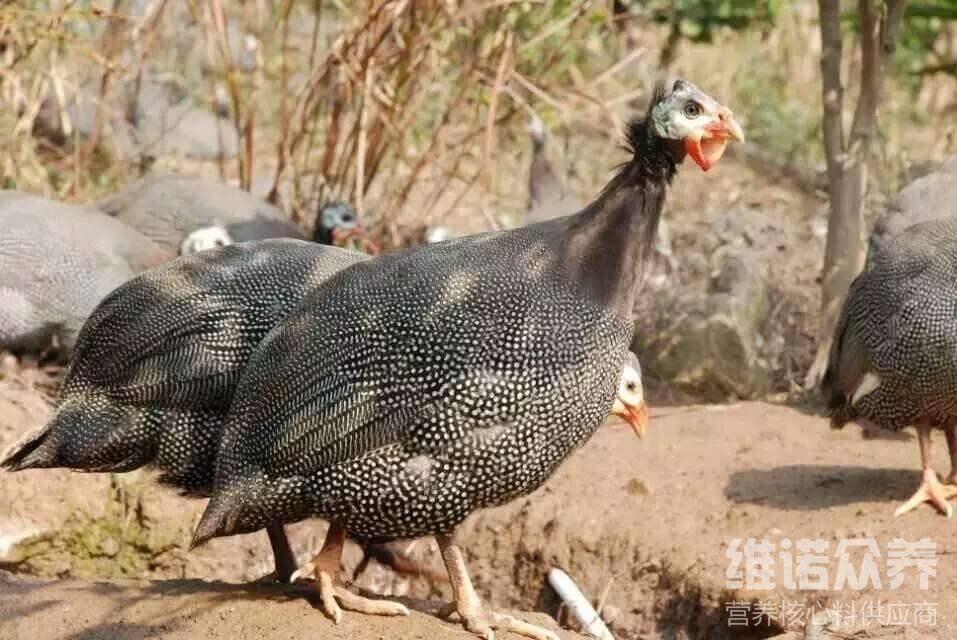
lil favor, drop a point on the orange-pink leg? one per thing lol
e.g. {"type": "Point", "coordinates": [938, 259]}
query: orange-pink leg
{"type": "Point", "coordinates": [931, 489]}
{"type": "Point", "coordinates": [325, 566]}
{"type": "Point", "coordinates": [468, 605]}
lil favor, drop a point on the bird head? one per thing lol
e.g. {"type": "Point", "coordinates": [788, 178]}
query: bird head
{"type": "Point", "coordinates": [698, 121]}
{"type": "Point", "coordinates": [205, 238]}
{"type": "Point", "coordinates": [336, 219]}
{"type": "Point", "coordinates": [536, 129]}
{"type": "Point", "coordinates": [630, 402]}
{"type": "Point", "coordinates": [338, 225]}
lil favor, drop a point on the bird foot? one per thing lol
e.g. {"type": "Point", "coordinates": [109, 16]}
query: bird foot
{"type": "Point", "coordinates": [307, 569]}
{"type": "Point", "coordinates": [333, 599]}
{"type": "Point", "coordinates": [270, 578]}
{"type": "Point", "coordinates": [933, 491]}
{"type": "Point", "coordinates": [484, 623]}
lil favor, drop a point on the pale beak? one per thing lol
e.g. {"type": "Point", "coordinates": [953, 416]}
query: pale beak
{"type": "Point", "coordinates": [730, 128]}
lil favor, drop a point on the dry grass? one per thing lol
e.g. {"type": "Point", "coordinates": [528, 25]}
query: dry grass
{"type": "Point", "coordinates": [413, 111]}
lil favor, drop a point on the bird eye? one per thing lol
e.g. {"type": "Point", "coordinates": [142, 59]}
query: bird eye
{"type": "Point", "coordinates": [630, 386]}
{"type": "Point", "coordinates": [692, 109]}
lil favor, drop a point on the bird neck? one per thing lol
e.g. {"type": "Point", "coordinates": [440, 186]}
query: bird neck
{"type": "Point", "coordinates": [610, 241]}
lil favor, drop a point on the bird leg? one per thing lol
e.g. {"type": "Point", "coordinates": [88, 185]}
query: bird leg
{"type": "Point", "coordinates": [326, 566]}
{"type": "Point", "coordinates": [468, 605]}
{"type": "Point", "coordinates": [282, 553]}
{"type": "Point", "coordinates": [930, 490]}
{"type": "Point", "coordinates": [950, 430]}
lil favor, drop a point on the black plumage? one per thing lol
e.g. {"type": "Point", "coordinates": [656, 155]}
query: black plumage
{"type": "Point", "coordinates": [412, 389]}
{"type": "Point", "coordinates": [893, 361]}
{"type": "Point", "coordinates": [158, 361]}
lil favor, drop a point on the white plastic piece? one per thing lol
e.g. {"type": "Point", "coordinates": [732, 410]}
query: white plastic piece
{"type": "Point", "coordinates": [578, 605]}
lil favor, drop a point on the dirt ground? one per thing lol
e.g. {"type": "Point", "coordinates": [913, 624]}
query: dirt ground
{"type": "Point", "coordinates": [190, 609]}
{"type": "Point", "coordinates": [643, 526]}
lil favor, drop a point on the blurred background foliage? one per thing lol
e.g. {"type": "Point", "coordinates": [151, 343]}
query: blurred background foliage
{"type": "Point", "coordinates": [414, 109]}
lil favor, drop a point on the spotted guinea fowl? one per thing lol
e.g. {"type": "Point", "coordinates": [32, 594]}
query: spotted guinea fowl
{"type": "Point", "coordinates": [629, 405]}
{"type": "Point", "coordinates": [157, 363]}
{"type": "Point", "coordinates": [929, 197]}
{"type": "Point", "coordinates": [169, 208]}
{"type": "Point", "coordinates": [57, 261]}
{"type": "Point", "coordinates": [893, 360]}
{"type": "Point", "coordinates": [411, 389]}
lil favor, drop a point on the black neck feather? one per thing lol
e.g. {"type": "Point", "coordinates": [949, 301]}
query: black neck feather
{"type": "Point", "coordinates": [609, 242]}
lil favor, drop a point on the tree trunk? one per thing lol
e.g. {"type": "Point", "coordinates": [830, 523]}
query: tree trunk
{"type": "Point", "coordinates": [847, 160]}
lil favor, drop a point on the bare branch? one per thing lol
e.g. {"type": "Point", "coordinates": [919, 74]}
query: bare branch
{"type": "Point", "coordinates": [832, 90]}
{"type": "Point", "coordinates": [878, 42]}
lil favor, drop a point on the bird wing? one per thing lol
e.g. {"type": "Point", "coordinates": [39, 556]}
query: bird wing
{"type": "Point", "coordinates": [896, 321]}
{"type": "Point", "coordinates": [372, 359]}
{"type": "Point", "coordinates": [151, 345]}
{"type": "Point", "coordinates": [346, 403]}
{"type": "Point", "coordinates": [180, 335]}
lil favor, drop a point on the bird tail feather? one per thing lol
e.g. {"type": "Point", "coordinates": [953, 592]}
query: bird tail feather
{"type": "Point", "coordinates": [87, 434]}
{"type": "Point", "coordinates": [29, 452]}
{"type": "Point", "coordinates": [226, 513]}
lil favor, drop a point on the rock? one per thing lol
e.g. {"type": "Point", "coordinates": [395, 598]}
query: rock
{"type": "Point", "coordinates": [713, 347]}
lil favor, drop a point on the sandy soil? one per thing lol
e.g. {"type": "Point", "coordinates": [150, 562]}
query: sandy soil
{"type": "Point", "coordinates": [190, 609]}
{"type": "Point", "coordinates": [642, 525]}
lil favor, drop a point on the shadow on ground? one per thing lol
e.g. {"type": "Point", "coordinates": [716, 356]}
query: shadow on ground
{"type": "Point", "coordinates": [811, 487]}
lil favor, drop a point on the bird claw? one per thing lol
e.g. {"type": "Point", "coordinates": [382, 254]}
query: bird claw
{"type": "Point", "coordinates": [931, 490]}
{"type": "Point", "coordinates": [508, 623]}
{"type": "Point", "coordinates": [334, 599]}
{"type": "Point", "coordinates": [485, 624]}
{"type": "Point", "coordinates": [307, 569]}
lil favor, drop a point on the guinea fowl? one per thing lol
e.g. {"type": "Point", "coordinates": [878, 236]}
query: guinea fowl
{"type": "Point", "coordinates": [630, 402]}
{"type": "Point", "coordinates": [57, 261]}
{"type": "Point", "coordinates": [629, 405]}
{"type": "Point", "coordinates": [893, 360]}
{"type": "Point", "coordinates": [184, 213]}
{"type": "Point", "coordinates": [157, 363]}
{"type": "Point", "coordinates": [409, 390]}
{"type": "Point", "coordinates": [168, 208]}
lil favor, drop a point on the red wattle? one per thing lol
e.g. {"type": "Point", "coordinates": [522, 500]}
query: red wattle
{"type": "Point", "coordinates": [693, 147]}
